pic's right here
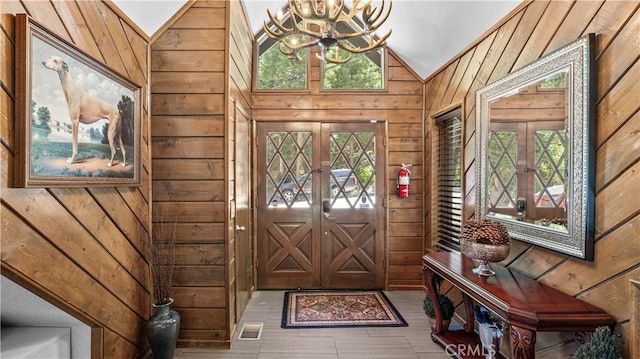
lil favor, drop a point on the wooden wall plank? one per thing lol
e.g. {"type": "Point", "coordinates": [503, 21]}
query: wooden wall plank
{"type": "Point", "coordinates": [192, 212]}
{"type": "Point", "coordinates": [479, 53]}
{"type": "Point", "coordinates": [199, 276]}
{"type": "Point", "coordinates": [574, 275]}
{"type": "Point", "coordinates": [518, 39]}
{"type": "Point", "coordinates": [7, 65]}
{"type": "Point", "coordinates": [200, 232]}
{"type": "Point", "coordinates": [187, 104]}
{"type": "Point", "coordinates": [78, 31]}
{"type": "Point", "coordinates": [177, 191]}
{"type": "Point", "coordinates": [611, 16]}
{"type": "Point", "coordinates": [618, 104]}
{"type": "Point", "coordinates": [201, 17]}
{"type": "Point", "coordinates": [39, 208]}
{"type": "Point", "coordinates": [199, 297]}
{"type": "Point", "coordinates": [192, 147]}
{"type": "Point", "coordinates": [580, 15]}
{"type": "Point", "coordinates": [201, 318]}
{"type": "Point", "coordinates": [461, 69]}
{"type": "Point", "coordinates": [545, 29]}
{"type": "Point", "coordinates": [329, 100]}
{"type": "Point", "coordinates": [411, 116]}
{"type": "Point", "coordinates": [7, 132]}
{"type": "Point", "coordinates": [193, 60]}
{"type": "Point", "coordinates": [616, 205]}
{"type": "Point", "coordinates": [618, 56]}
{"type": "Point", "coordinates": [190, 39]}
{"type": "Point", "coordinates": [188, 169]}
{"type": "Point", "coordinates": [618, 153]}
{"type": "Point", "coordinates": [614, 295]}
{"type": "Point", "coordinates": [25, 251]}
{"type": "Point", "coordinates": [44, 10]}
{"type": "Point", "coordinates": [203, 254]}
{"type": "Point", "coordinates": [95, 220]}
{"type": "Point", "coordinates": [98, 15]}
{"type": "Point", "coordinates": [187, 82]}
{"type": "Point", "coordinates": [489, 63]}
{"type": "Point", "coordinates": [184, 126]}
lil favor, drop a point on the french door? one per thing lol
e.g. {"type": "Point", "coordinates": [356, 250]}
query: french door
{"type": "Point", "coordinates": [320, 205]}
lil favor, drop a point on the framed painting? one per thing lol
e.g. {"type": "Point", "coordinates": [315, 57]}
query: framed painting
{"type": "Point", "coordinates": [77, 121]}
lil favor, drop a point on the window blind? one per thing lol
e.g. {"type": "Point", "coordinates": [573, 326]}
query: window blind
{"type": "Point", "coordinates": [448, 199]}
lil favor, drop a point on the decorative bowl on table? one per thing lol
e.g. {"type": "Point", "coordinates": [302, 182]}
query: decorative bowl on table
{"type": "Point", "coordinates": [485, 241]}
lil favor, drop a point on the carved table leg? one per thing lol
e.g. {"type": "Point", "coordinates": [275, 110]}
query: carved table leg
{"type": "Point", "coordinates": [522, 343]}
{"type": "Point", "coordinates": [468, 308]}
{"type": "Point", "coordinates": [430, 283]}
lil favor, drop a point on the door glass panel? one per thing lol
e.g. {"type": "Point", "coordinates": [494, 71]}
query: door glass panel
{"type": "Point", "coordinates": [502, 176]}
{"type": "Point", "coordinates": [352, 178]}
{"type": "Point", "coordinates": [288, 177]}
{"type": "Point", "coordinates": [550, 174]}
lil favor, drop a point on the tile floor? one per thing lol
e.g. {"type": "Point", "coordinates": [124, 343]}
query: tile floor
{"type": "Point", "coordinates": [409, 342]}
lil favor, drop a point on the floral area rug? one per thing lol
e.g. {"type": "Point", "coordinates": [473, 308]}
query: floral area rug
{"type": "Point", "coordinates": [331, 309]}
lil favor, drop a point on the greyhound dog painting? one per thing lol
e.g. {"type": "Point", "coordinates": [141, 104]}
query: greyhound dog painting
{"type": "Point", "coordinates": [87, 109]}
{"type": "Point", "coordinates": [78, 121]}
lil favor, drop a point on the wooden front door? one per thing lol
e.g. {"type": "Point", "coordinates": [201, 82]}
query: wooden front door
{"type": "Point", "coordinates": [320, 205]}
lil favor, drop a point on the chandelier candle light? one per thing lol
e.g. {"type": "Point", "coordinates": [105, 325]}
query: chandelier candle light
{"type": "Point", "coordinates": [485, 241]}
{"type": "Point", "coordinates": [315, 23]}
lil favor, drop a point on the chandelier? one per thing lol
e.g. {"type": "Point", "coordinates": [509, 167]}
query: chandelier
{"type": "Point", "coordinates": [324, 23]}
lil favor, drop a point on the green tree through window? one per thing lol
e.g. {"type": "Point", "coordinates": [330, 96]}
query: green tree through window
{"type": "Point", "coordinates": [359, 73]}
{"type": "Point", "coordinates": [277, 72]}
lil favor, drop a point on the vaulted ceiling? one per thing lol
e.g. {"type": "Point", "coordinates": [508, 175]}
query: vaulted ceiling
{"type": "Point", "coordinates": [425, 33]}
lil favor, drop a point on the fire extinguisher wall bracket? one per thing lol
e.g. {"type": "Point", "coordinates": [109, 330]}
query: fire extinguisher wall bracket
{"type": "Point", "coordinates": [403, 181]}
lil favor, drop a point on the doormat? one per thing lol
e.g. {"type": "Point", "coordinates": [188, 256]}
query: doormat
{"type": "Point", "coordinates": [331, 309]}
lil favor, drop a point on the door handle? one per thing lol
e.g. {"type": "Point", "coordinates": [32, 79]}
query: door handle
{"type": "Point", "coordinates": [240, 228]}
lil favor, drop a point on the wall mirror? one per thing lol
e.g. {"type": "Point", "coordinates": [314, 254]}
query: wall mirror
{"type": "Point", "coordinates": [535, 151]}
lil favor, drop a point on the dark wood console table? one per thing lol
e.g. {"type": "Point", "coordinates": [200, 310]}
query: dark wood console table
{"type": "Point", "coordinates": [524, 304]}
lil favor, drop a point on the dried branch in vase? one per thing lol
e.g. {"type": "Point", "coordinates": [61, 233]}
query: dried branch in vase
{"type": "Point", "coordinates": [485, 231]}
{"type": "Point", "coordinates": [162, 258]}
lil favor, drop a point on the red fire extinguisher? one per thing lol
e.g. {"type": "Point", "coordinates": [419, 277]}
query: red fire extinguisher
{"type": "Point", "coordinates": [403, 181]}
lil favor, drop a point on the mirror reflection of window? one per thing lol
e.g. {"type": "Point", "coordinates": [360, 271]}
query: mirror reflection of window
{"type": "Point", "coordinates": [551, 171]}
{"type": "Point", "coordinates": [527, 153]}
{"type": "Point", "coordinates": [502, 175]}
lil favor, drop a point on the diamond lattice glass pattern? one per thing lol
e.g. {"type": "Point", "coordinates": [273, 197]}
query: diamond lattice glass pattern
{"type": "Point", "coordinates": [288, 178]}
{"type": "Point", "coordinates": [551, 159]}
{"type": "Point", "coordinates": [352, 158]}
{"type": "Point", "coordinates": [502, 162]}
